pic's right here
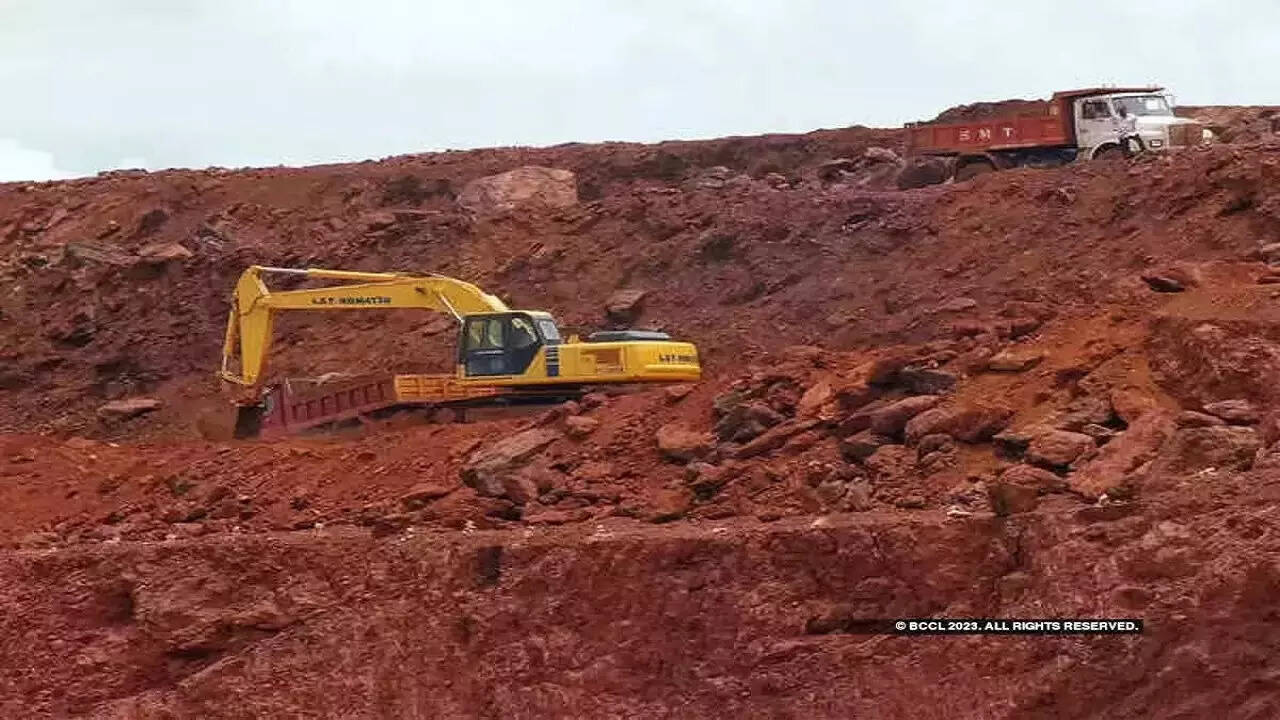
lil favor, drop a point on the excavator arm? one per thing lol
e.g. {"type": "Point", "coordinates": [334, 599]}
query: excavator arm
{"type": "Point", "coordinates": [253, 307]}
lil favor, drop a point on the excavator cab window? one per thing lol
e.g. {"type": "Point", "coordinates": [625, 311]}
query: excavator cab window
{"type": "Point", "coordinates": [498, 344]}
{"type": "Point", "coordinates": [550, 333]}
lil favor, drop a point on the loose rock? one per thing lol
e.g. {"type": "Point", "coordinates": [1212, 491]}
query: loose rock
{"type": "Point", "coordinates": [160, 253]}
{"type": "Point", "coordinates": [1014, 361]}
{"type": "Point", "coordinates": [489, 468]}
{"type": "Point", "coordinates": [1010, 499]}
{"type": "Point", "coordinates": [624, 306]}
{"type": "Point", "coordinates": [422, 493]}
{"type": "Point", "coordinates": [1059, 448]}
{"type": "Point", "coordinates": [525, 187]}
{"type": "Point", "coordinates": [969, 423]}
{"type": "Point", "coordinates": [1236, 412]}
{"type": "Point", "coordinates": [128, 408]}
{"type": "Point", "coordinates": [681, 444]}
{"type": "Point", "coordinates": [892, 419]}
{"type": "Point", "coordinates": [1222, 447]}
{"type": "Point", "coordinates": [1191, 419]}
{"type": "Point", "coordinates": [863, 445]}
{"type": "Point", "coordinates": [1121, 457]}
{"type": "Point", "coordinates": [1030, 476]}
{"type": "Point", "coordinates": [580, 426]}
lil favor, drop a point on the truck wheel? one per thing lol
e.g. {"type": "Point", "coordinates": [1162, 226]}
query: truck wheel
{"type": "Point", "coordinates": [1110, 152]}
{"type": "Point", "coordinates": [972, 170]}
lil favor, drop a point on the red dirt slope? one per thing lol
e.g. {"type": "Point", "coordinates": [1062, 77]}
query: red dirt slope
{"type": "Point", "coordinates": [1039, 393]}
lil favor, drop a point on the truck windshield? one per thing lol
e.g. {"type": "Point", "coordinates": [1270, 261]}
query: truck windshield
{"type": "Point", "coordinates": [1143, 105]}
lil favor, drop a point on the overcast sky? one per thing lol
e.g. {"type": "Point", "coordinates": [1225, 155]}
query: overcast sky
{"type": "Point", "coordinates": [89, 85]}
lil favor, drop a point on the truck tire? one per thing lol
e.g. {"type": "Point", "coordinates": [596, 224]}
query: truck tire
{"type": "Point", "coordinates": [973, 169]}
{"type": "Point", "coordinates": [1109, 152]}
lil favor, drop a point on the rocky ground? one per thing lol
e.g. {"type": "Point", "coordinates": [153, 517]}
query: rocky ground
{"type": "Point", "coordinates": [1034, 394]}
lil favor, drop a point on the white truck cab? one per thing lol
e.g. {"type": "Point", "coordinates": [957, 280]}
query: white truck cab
{"type": "Point", "coordinates": [1157, 126]}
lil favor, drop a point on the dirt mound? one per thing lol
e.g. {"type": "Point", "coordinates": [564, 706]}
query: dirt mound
{"type": "Point", "coordinates": [1237, 124]}
{"type": "Point", "coordinates": [1039, 393]}
{"type": "Point", "coordinates": [981, 110]}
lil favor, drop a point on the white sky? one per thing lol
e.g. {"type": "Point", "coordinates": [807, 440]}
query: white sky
{"type": "Point", "coordinates": [96, 84]}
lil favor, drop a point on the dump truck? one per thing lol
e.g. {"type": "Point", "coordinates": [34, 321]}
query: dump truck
{"type": "Point", "coordinates": [503, 355]}
{"type": "Point", "coordinates": [1072, 125]}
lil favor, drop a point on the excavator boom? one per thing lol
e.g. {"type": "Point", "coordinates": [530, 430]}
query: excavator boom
{"type": "Point", "coordinates": [253, 306]}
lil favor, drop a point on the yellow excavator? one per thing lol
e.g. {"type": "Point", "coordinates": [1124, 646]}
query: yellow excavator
{"type": "Point", "coordinates": [503, 355]}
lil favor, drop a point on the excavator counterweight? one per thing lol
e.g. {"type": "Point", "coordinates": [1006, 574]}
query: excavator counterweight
{"type": "Point", "coordinates": [502, 354]}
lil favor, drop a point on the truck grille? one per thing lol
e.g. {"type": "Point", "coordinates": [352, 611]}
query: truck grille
{"type": "Point", "coordinates": [1184, 135]}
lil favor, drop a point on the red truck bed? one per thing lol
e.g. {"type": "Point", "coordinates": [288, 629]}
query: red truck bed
{"type": "Point", "coordinates": [996, 133]}
{"type": "Point", "coordinates": [294, 406]}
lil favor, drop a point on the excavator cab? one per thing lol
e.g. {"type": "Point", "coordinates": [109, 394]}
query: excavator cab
{"type": "Point", "coordinates": [503, 343]}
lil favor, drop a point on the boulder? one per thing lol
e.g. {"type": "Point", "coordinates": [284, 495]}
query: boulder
{"type": "Point", "coordinates": [1121, 457]}
{"type": "Point", "coordinates": [160, 253]}
{"type": "Point", "coordinates": [879, 155]}
{"type": "Point", "coordinates": [705, 479]}
{"type": "Point", "coordinates": [128, 408]}
{"type": "Point", "coordinates": [675, 393]}
{"type": "Point", "coordinates": [1191, 419]}
{"type": "Point", "coordinates": [681, 444]}
{"type": "Point", "coordinates": [863, 445]}
{"type": "Point", "coordinates": [1014, 442]}
{"type": "Point", "coordinates": [891, 419]}
{"type": "Point", "coordinates": [1010, 498]}
{"type": "Point", "coordinates": [580, 426]}
{"type": "Point", "coordinates": [926, 381]}
{"type": "Point", "coordinates": [885, 369]}
{"type": "Point", "coordinates": [1014, 360]}
{"type": "Point", "coordinates": [522, 188]}
{"type": "Point", "coordinates": [669, 505]}
{"type": "Point", "coordinates": [1086, 410]}
{"type": "Point", "coordinates": [923, 171]}
{"type": "Point", "coordinates": [938, 442]}
{"type": "Point", "coordinates": [489, 468]}
{"type": "Point", "coordinates": [520, 487]}
{"type": "Point", "coordinates": [835, 170]}
{"type": "Point", "coordinates": [1030, 476]}
{"type": "Point", "coordinates": [1163, 283]}
{"type": "Point", "coordinates": [968, 423]}
{"type": "Point", "coordinates": [725, 402]}
{"type": "Point", "coordinates": [775, 438]}
{"type": "Point", "coordinates": [1236, 412]}
{"type": "Point", "coordinates": [1100, 433]}
{"type": "Point", "coordinates": [814, 398]}
{"type": "Point", "coordinates": [419, 495]}
{"type": "Point", "coordinates": [594, 400]}
{"type": "Point", "coordinates": [624, 306]}
{"type": "Point", "coordinates": [1200, 362]}
{"type": "Point", "coordinates": [558, 413]}
{"type": "Point", "coordinates": [1058, 448]}
{"type": "Point", "coordinates": [1172, 279]}
{"type": "Point", "coordinates": [1222, 447]}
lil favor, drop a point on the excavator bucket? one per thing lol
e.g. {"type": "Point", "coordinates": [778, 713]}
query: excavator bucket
{"type": "Point", "coordinates": [248, 421]}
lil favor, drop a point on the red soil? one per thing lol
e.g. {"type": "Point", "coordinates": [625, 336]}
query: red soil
{"type": "Point", "coordinates": [158, 570]}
